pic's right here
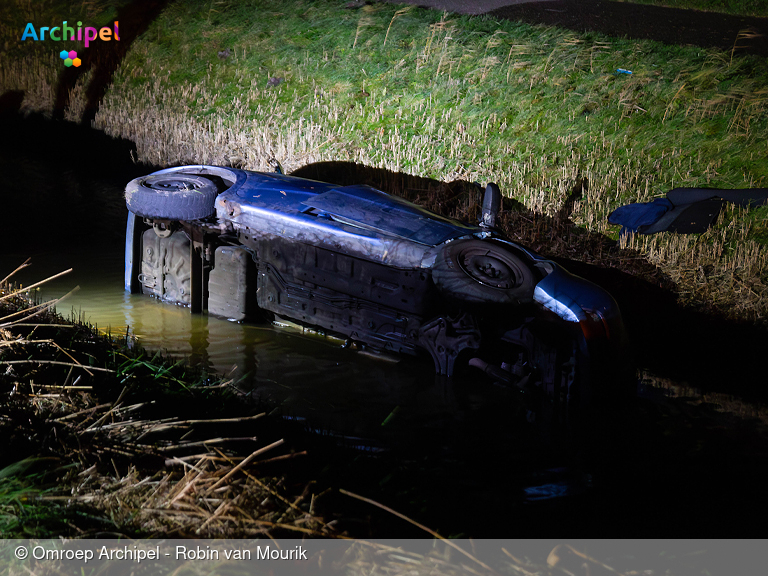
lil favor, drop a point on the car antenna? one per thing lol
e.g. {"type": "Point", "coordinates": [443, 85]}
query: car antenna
{"type": "Point", "coordinates": [275, 164]}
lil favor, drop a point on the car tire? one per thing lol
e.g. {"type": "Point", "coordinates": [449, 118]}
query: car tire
{"type": "Point", "coordinates": [172, 196]}
{"type": "Point", "coordinates": [482, 272]}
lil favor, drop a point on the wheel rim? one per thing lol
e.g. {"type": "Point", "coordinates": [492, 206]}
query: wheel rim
{"type": "Point", "coordinates": [174, 184]}
{"type": "Point", "coordinates": [490, 267]}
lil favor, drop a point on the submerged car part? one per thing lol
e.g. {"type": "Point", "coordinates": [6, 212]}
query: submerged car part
{"type": "Point", "coordinates": [165, 266]}
{"type": "Point", "coordinates": [375, 269]}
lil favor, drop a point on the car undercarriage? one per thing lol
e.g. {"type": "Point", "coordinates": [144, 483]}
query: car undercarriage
{"type": "Point", "coordinates": [381, 273]}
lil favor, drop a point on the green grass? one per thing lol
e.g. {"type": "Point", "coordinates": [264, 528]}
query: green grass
{"type": "Point", "coordinates": [448, 97]}
{"type": "Point", "coordinates": [25, 511]}
{"type": "Point", "coordinates": [518, 93]}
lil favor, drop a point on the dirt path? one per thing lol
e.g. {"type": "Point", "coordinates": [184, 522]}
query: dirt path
{"type": "Point", "coordinates": [472, 7]}
{"type": "Point", "coordinates": [742, 34]}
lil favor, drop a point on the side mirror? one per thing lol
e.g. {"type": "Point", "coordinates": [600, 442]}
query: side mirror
{"type": "Point", "coordinates": [491, 206]}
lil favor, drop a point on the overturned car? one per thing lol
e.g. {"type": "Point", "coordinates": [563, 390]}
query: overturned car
{"type": "Point", "coordinates": [377, 270]}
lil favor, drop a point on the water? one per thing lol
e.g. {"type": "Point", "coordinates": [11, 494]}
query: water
{"type": "Point", "coordinates": [456, 440]}
{"type": "Point", "coordinates": [309, 375]}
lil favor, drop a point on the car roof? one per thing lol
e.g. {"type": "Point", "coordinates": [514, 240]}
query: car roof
{"type": "Point", "coordinates": [362, 207]}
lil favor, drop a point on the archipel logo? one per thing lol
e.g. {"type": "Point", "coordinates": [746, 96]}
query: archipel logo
{"type": "Point", "coordinates": [65, 32]}
{"type": "Point", "coordinates": [70, 58]}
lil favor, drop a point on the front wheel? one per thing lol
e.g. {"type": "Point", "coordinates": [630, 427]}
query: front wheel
{"type": "Point", "coordinates": [482, 272]}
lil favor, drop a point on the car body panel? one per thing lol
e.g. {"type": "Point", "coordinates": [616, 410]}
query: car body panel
{"type": "Point", "coordinates": [359, 262]}
{"type": "Point", "coordinates": [375, 210]}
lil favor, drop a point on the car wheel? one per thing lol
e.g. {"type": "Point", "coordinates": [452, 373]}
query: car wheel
{"type": "Point", "coordinates": [482, 272]}
{"type": "Point", "coordinates": [172, 196]}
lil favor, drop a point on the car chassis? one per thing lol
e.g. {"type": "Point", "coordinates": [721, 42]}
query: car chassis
{"type": "Point", "coordinates": [375, 269]}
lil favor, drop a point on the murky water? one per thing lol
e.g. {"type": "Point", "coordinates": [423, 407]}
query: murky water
{"type": "Point", "coordinates": [466, 427]}
{"type": "Point", "coordinates": [309, 375]}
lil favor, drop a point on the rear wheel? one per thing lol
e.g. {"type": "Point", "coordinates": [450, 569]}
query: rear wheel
{"type": "Point", "coordinates": [172, 196]}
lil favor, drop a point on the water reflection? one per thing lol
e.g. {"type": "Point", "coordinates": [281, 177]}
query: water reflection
{"type": "Point", "coordinates": [306, 375]}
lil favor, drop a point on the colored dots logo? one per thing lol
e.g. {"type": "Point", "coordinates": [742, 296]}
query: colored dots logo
{"type": "Point", "coordinates": [70, 58]}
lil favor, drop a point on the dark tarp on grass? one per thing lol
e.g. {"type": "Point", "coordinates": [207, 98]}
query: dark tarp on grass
{"type": "Point", "coordinates": [684, 210]}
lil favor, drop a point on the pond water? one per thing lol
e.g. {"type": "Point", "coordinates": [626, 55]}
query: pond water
{"type": "Point", "coordinates": [308, 375]}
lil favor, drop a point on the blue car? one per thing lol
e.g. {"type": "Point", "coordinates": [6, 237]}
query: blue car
{"type": "Point", "coordinates": [377, 270]}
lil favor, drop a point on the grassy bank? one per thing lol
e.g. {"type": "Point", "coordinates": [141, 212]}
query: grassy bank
{"type": "Point", "coordinates": [446, 97]}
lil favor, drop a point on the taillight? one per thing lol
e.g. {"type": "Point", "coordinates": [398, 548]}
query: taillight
{"type": "Point", "coordinates": [594, 326]}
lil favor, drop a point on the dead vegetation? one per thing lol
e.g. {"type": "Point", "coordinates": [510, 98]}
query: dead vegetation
{"type": "Point", "coordinates": [101, 436]}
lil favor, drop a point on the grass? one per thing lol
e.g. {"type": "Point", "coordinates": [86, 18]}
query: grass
{"type": "Point", "coordinates": [449, 97]}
